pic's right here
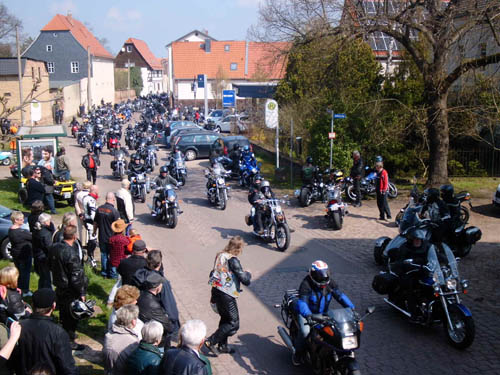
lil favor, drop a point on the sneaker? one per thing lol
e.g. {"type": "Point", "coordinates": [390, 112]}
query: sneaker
{"type": "Point", "coordinates": [211, 348]}
{"type": "Point", "coordinates": [27, 294]}
{"type": "Point", "coordinates": [224, 348]}
{"type": "Point", "coordinates": [389, 217]}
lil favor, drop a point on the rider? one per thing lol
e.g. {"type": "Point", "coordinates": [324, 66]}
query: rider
{"type": "Point", "coordinates": [235, 156]}
{"type": "Point", "coordinates": [315, 293]}
{"type": "Point", "coordinates": [177, 155]}
{"type": "Point", "coordinates": [255, 197]}
{"type": "Point", "coordinates": [438, 213]}
{"type": "Point", "coordinates": [247, 153]}
{"type": "Point", "coordinates": [135, 166]}
{"type": "Point", "coordinates": [309, 171]}
{"type": "Point", "coordinates": [265, 188]}
{"type": "Point", "coordinates": [161, 182]}
{"type": "Point", "coordinates": [448, 196]}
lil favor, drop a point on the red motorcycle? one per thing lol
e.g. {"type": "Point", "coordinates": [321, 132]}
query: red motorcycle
{"type": "Point", "coordinates": [113, 143]}
{"type": "Point", "coordinates": [74, 130]}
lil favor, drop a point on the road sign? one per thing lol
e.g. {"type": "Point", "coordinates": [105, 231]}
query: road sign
{"type": "Point", "coordinates": [271, 113]}
{"type": "Point", "coordinates": [201, 81]}
{"type": "Point", "coordinates": [331, 135]}
{"type": "Point", "coordinates": [339, 115]}
{"type": "Point", "coordinates": [228, 98]}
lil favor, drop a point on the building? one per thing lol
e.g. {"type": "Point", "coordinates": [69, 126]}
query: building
{"type": "Point", "coordinates": [136, 52]}
{"type": "Point", "coordinates": [67, 47]}
{"type": "Point", "coordinates": [35, 83]}
{"type": "Point", "coordinates": [227, 64]}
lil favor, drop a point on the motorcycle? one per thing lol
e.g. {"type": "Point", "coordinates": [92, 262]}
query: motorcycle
{"type": "Point", "coordinates": [435, 298]}
{"type": "Point", "coordinates": [333, 338]}
{"type": "Point", "coordinates": [139, 187]}
{"type": "Point", "coordinates": [150, 159]}
{"type": "Point", "coordinates": [367, 186]}
{"type": "Point", "coordinates": [177, 168]}
{"type": "Point", "coordinates": [228, 165]}
{"type": "Point", "coordinates": [113, 143]}
{"type": "Point", "coordinates": [119, 165]}
{"type": "Point", "coordinates": [217, 190]}
{"type": "Point", "coordinates": [169, 211]}
{"type": "Point", "coordinates": [311, 192]}
{"type": "Point", "coordinates": [274, 223]}
{"type": "Point", "coordinates": [130, 140]}
{"type": "Point", "coordinates": [462, 197]}
{"type": "Point", "coordinates": [249, 168]}
{"type": "Point", "coordinates": [75, 129]}
{"type": "Point", "coordinates": [336, 209]}
{"type": "Point", "coordinates": [83, 139]}
{"type": "Point", "coordinates": [97, 145]}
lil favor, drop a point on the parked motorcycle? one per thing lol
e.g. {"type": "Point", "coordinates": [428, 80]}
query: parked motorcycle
{"type": "Point", "coordinates": [119, 165]}
{"type": "Point", "coordinates": [217, 190]}
{"type": "Point", "coordinates": [139, 187]}
{"type": "Point", "coordinates": [314, 191]}
{"type": "Point", "coordinates": [462, 197]}
{"type": "Point", "coordinates": [274, 223]}
{"type": "Point", "coordinates": [367, 186]}
{"type": "Point", "coordinates": [333, 338]}
{"type": "Point", "coordinates": [336, 209]}
{"type": "Point", "coordinates": [177, 168]}
{"type": "Point", "coordinates": [169, 211]}
{"type": "Point", "coordinates": [435, 298]}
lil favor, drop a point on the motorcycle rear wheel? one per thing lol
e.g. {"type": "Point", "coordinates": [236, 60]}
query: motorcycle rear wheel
{"type": "Point", "coordinates": [305, 197]}
{"type": "Point", "coordinates": [336, 220]}
{"type": "Point", "coordinates": [464, 328]}
{"type": "Point", "coordinates": [282, 236]}
{"type": "Point", "coordinates": [464, 215]}
{"type": "Point", "coordinates": [393, 191]}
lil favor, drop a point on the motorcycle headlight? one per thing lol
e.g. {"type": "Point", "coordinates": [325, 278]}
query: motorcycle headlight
{"type": "Point", "coordinates": [451, 284]}
{"type": "Point", "coordinates": [349, 343]}
{"type": "Point", "coordinates": [220, 181]}
{"type": "Point", "coordinates": [171, 198]}
{"type": "Point", "coordinates": [465, 284]}
{"type": "Point", "coordinates": [278, 209]}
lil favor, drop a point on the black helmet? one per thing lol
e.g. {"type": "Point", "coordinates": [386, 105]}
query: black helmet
{"type": "Point", "coordinates": [416, 234]}
{"type": "Point", "coordinates": [431, 195]}
{"type": "Point", "coordinates": [309, 160]}
{"type": "Point", "coordinates": [319, 273]}
{"type": "Point", "coordinates": [446, 191]}
{"type": "Point", "coordinates": [136, 157]}
{"type": "Point", "coordinates": [236, 146]}
{"type": "Point", "coordinates": [82, 310]}
{"type": "Point", "coordinates": [164, 169]}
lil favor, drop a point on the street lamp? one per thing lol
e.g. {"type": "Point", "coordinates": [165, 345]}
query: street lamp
{"type": "Point", "coordinates": [332, 112]}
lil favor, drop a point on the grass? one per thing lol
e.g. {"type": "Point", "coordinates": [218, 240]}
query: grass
{"type": "Point", "coordinates": [267, 170]}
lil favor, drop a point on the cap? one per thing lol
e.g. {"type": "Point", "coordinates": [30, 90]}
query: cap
{"type": "Point", "coordinates": [139, 245]}
{"type": "Point", "coordinates": [153, 280]}
{"type": "Point", "coordinates": [44, 298]}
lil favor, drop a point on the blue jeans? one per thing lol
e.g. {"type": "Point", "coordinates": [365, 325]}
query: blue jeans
{"type": "Point", "coordinates": [302, 334]}
{"type": "Point", "coordinates": [24, 267]}
{"type": "Point", "coordinates": [105, 263]}
{"type": "Point", "coordinates": [49, 200]}
{"type": "Point", "coordinates": [113, 273]}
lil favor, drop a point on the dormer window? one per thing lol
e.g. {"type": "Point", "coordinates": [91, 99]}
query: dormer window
{"type": "Point", "coordinates": [49, 47]}
{"type": "Point", "coordinates": [226, 48]}
{"type": "Point", "coordinates": [129, 49]}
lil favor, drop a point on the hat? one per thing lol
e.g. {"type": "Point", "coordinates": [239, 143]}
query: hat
{"type": "Point", "coordinates": [153, 280]}
{"type": "Point", "coordinates": [119, 226]}
{"type": "Point", "coordinates": [139, 245]}
{"type": "Point", "coordinates": [44, 298]}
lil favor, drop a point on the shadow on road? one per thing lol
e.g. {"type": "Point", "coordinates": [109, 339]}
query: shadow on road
{"type": "Point", "coordinates": [487, 210]}
{"type": "Point", "coordinates": [248, 237]}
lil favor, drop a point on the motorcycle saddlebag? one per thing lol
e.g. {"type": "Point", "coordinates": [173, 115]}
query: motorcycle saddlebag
{"type": "Point", "coordinates": [472, 235]}
{"type": "Point", "coordinates": [384, 283]}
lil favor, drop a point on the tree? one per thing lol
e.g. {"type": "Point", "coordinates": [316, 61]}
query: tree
{"type": "Point", "coordinates": [5, 50]}
{"type": "Point", "coordinates": [8, 23]}
{"type": "Point", "coordinates": [136, 80]}
{"type": "Point", "coordinates": [433, 32]}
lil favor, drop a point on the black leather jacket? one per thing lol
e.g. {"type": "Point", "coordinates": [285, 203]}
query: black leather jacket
{"type": "Point", "coordinates": [150, 308]}
{"type": "Point", "coordinates": [67, 269]}
{"type": "Point", "coordinates": [182, 361]}
{"type": "Point", "coordinates": [136, 169]}
{"type": "Point", "coordinates": [242, 277]}
{"type": "Point", "coordinates": [254, 195]}
{"type": "Point", "coordinates": [86, 161]}
{"type": "Point", "coordinates": [42, 240]}
{"type": "Point", "coordinates": [358, 168]}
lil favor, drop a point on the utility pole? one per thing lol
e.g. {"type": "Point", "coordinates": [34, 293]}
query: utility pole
{"type": "Point", "coordinates": [89, 86]}
{"type": "Point", "coordinates": [291, 153]}
{"type": "Point", "coordinates": [128, 78]}
{"type": "Point", "coordinates": [332, 112]}
{"type": "Point", "coordinates": [20, 76]}
{"type": "Point", "coordinates": [205, 90]}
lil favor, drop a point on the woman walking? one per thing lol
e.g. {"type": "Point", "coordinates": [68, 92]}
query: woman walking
{"type": "Point", "coordinates": [382, 188]}
{"type": "Point", "coordinates": [225, 280]}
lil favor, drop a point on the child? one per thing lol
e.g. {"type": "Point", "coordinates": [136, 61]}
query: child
{"type": "Point", "coordinates": [118, 244]}
{"type": "Point", "coordinates": [133, 236]}
{"type": "Point", "coordinates": [11, 301]}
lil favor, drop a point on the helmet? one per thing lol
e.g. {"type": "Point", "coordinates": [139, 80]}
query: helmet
{"type": "Point", "coordinates": [431, 195]}
{"type": "Point", "coordinates": [98, 121]}
{"type": "Point", "coordinates": [236, 146]}
{"type": "Point", "coordinates": [129, 126]}
{"type": "Point", "coordinates": [246, 148]}
{"type": "Point", "coordinates": [164, 169]}
{"type": "Point", "coordinates": [82, 310]}
{"type": "Point", "coordinates": [309, 160]}
{"type": "Point", "coordinates": [416, 237]}
{"type": "Point", "coordinates": [337, 175]}
{"type": "Point", "coordinates": [136, 157]}
{"type": "Point", "coordinates": [378, 159]}
{"type": "Point", "coordinates": [446, 191]}
{"type": "Point", "coordinates": [264, 183]}
{"type": "Point", "coordinates": [100, 127]}
{"type": "Point", "coordinates": [319, 273]}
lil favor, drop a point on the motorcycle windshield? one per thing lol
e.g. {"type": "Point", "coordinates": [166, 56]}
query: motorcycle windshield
{"type": "Point", "coordinates": [434, 266]}
{"type": "Point", "coordinates": [452, 262]}
{"type": "Point", "coordinates": [410, 218]}
{"type": "Point", "coordinates": [333, 194]}
{"type": "Point", "coordinates": [119, 155]}
{"type": "Point", "coordinates": [344, 319]}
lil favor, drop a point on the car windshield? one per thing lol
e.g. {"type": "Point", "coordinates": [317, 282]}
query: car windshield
{"type": "Point", "coordinates": [216, 114]}
{"type": "Point", "coordinates": [4, 212]}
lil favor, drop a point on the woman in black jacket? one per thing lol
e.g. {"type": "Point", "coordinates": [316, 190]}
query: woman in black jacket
{"type": "Point", "coordinates": [42, 240]}
{"type": "Point", "coordinates": [11, 300]}
{"type": "Point", "coordinates": [20, 240]}
{"type": "Point", "coordinates": [226, 278]}
{"type": "Point", "coordinates": [36, 209]}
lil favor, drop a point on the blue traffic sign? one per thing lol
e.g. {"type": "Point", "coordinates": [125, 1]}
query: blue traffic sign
{"type": "Point", "coordinates": [201, 81]}
{"type": "Point", "coordinates": [228, 98]}
{"type": "Point", "coordinates": [339, 115]}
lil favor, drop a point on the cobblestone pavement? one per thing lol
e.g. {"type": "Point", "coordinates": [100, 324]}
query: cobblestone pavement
{"type": "Point", "coordinates": [389, 344]}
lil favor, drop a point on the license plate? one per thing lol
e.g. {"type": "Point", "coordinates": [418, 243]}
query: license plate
{"type": "Point", "coordinates": [67, 195]}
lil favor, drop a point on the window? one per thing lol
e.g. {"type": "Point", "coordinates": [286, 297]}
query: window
{"type": "Point", "coordinates": [234, 66]}
{"type": "Point", "coordinates": [51, 67]}
{"type": "Point", "coordinates": [7, 94]}
{"type": "Point", "coordinates": [129, 49]}
{"type": "Point", "coordinates": [75, 67]}
{"type": "Point", "coordinates": [49, 47]}
{"type": "Point", "coordinates": [188, 139]}
{"type": "Point", "coordinates": [226, 47]}
{"type": "Point", "coordinates": [200, 138]}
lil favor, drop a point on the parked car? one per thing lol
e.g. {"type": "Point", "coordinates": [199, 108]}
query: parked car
{"type": "Point", "coordinates": [173, 132]}
{"type": "Point", "coordinates": [496, 197]}
{"type": "Point", "coordinates": [231, 124]}
{"type": "Point", "coordinates": [5, 224]}
{"type": "Point", "coordinates": [195, 144]}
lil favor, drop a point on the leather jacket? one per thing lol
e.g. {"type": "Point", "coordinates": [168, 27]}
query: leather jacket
{"type": "Point", "coordinates": [67, 269]}
{"type": "Point", "coordinates": [358, 169]}
{"type": "Point", "coordinates": [150, 308]}
{"type": "Point", "coordinates": [182, 361]}
{"type": "Point", "coordinates": [42, 240]}
{"type": "Point", "coordinates": [136, 169]}
{"type": "Point", "coordinates": [86, 161]}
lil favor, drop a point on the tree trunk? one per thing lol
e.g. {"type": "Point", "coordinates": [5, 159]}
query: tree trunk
{"type": "Point", "coordinates": [439, 138]}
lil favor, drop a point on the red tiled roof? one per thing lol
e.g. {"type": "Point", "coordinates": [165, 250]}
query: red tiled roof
{"type": "Point", "coordinates": [79, 32]}
{"type": "Point", "coordinates": [146, 53]}
{"type": "Point", "coordinates": [190, 59]}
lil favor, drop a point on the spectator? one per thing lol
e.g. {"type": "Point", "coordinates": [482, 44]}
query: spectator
{"type": "Point", "coordinates": [47, 159]}
{"type": "Point", "coordinates": [13, 129]}
{"type": "Point", "coordinates": [42, 340]}
{"type": "Point", "coordinates": [62, 164]}
{"type": "Point", "coordinates": [89, 203]}
{"type": "Point", "coordinates": [133, 236]}
{"type": "Point", "coordinates": [48, 183]}
{"type": "Point", "coordinates": [104, 217]}
{"type": "Point", "coordinates": [145, 360]}
{"type": "Point", "coordinates": [82, 191]}
{"type": "Point", "coordinates": [69, 218]}
{"type": "Point", "coordinates": [118, 246]}
{"type": "Point", "coordinates": [12, 304]}
{"type": "Point", "coordinates": [69, 278]}
{"type": "Point", "coordinates": [125, 295]}
{"type": "Point", "coordinates": [150, 307]}
{"type": "Point", "coordinates": [37, 207]}
{"type": "Point", "coordinates": [124, 202]}
{"type": "Point", "coordinates": [8, 348]}
{"type": "Point", "coordinates": [154, 265]}
{"type": "Point", "coordinates": [382, 188]}
{"type": "Point", "coordinates": [42, 240]}
{"type": "Point", "coordinates": [121, 340]}
{"type": "Point", "coordinates": [91, 164]}
{"type": "Point", "coordinates": [187, 359]}
{"type": "Point", "coordinates": [21, 252]}
{"type": "Point", "coordinates": [136, 261]}
{"type": "Point", "coordinates": [34, 187]}
{"type": "Point", "coordinates": [357, 172]}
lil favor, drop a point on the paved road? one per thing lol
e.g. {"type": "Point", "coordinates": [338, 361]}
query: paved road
{"type": "Point", "coordinates": [390, 345]}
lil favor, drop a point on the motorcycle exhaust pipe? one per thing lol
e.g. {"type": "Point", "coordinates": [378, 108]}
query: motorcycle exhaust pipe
{"type": "Point", "coordinates": [397, 308]}
{"type": "Point", "coordinates": [286, 338]}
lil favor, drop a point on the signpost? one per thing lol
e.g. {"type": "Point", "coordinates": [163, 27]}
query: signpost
{"type": "Point", "coordinates": [201, 81]}
{"type": "Point", "coordinates": [272, 122]}
{"type": "Point", "coordinates": [331, 134]}
{"type": "Point", "coordinates": [228, 98]}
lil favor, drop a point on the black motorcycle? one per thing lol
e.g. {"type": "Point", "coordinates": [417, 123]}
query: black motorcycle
{"type": "Point", "coordinates": [367, 186]}
{"type": "Point", "coordinates": [150, 158]}
{"type": "Point", "coordinates": [177, 168]}
{"type": "Point", "coordinates": [217, 189]}
{"type": "Point", "coordinates": [333, 338]}
{"type": "Point", "coordinates": [119, 165]}
{"type": "Point", "coordinates": [312, 192]}
{"type": "Point", "coordinates": [139, 187]}
{"type": "Point", "coordinates": [434, 299]}
{"type": "Point", "coordinates": [169, 211]}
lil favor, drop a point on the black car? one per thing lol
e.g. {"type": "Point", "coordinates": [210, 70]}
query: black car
{"type": "Point", "coordinates": [195, 144]}
{"type": "Point", "coordinates": [224, 145]}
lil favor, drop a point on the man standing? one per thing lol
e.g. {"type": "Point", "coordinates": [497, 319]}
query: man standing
{"type": "Point", "coordinates": [357, 172]}
{"type": "Point", "coordinates": [82, 191]}
{"type": "Point", "coordinates": [136, 261]}
{"type": "Point", "coordinates": [91, 163]}
{"type": "Point", "coordinates": [124, 202]}
{"type": "Point", "coordinates": [35, 189]}
{"type": "Point", "coordinates": [66, 264]}
{"type": "Point", "coordinates": [382, 189]}
{"type": "Point", "coordinates": [89, 204]}
{"type": "Point", "coordinates": [42, 340]}
{"type": "Point", "coordinates": [62, 164]}
{"type": "Point", "coordinates": [104, 217]}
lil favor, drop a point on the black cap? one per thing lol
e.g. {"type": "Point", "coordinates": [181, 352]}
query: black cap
{"type": "Point", "coordinates": [139, 245]}
{"type": "Point", "coordinates": [44, 298]}
{"type": "Point", "coordinates": [153, 280]}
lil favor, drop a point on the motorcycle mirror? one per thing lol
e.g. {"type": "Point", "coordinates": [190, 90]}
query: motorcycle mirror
{"type": "Point", "coordinates": [458, 259]}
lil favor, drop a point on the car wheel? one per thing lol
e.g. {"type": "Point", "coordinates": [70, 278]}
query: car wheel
{"type": "Point", "coordinates": [190, 155]}
{"type": "Point", "coordinates": [6, 161]}
{"type": "Point", "coordinates": [5, 249]}
{"type": "Point", "coordinates": [217, 129]}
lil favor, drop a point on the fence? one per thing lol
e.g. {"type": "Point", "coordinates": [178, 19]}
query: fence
{"type": "Point", "coordinates": [474, 163]}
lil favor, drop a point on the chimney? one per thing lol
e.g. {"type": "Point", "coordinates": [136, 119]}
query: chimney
{"type": "Point", "coordinates": [69, 17]}
{"type": "Point", "coordinates": [208, 45]}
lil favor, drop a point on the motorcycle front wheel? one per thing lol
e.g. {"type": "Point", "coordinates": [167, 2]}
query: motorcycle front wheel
{"type": "Point", "coordinates": [463, 332]}
{"type": "Point", "coordinates": [143, 194]}
{"type": "Point", "coordinates": [393, 191]}
{"type": "Point", "coordinates": [172, 218]}
{"type": "Point", "coordinates": [282, 236]}
{"type": "Point", "coordinates": [182, 180]}
{"type": "Point", "coordinates": [222, 200]}
{"type": "Point", "coordinates": [305, 197]}
{"type": "Point", "coordinates": [351, 194]}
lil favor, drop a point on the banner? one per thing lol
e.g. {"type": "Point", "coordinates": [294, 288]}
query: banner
{"type": "Point", "coordinates": [271, 113]}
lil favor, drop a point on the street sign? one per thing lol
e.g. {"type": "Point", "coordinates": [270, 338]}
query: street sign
{"type": "Point", "coordinates": [271, 113]}
{"type": "Point", "coordinates": [331, 135]}
{"type": "Point", "coordinates": [201, 81]}
{"type": "Point", "coordinates": [339, 115]}
{"type": "Point", "coordinates": [228, 98]}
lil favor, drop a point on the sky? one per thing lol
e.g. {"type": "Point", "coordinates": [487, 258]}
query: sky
{"type": "Point", "coordinates": [157, 22]}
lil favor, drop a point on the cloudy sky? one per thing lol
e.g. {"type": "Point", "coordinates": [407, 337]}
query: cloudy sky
{"type": "Point", "coordinates": [157, 22]}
